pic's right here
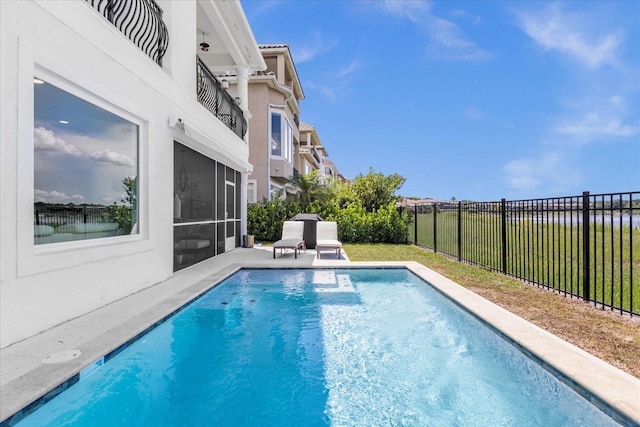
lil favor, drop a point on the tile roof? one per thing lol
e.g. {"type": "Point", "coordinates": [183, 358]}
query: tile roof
{"type": "Point", "coordinates": [272, 45]}
{"type": "Point", "coordinates": [306, 126]}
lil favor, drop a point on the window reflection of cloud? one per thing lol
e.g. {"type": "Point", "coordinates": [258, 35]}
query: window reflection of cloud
{"type": "Point", "coordinates": [108, 156]}
{"type": "Point", "coordinates": [57, 197]}
{"type": "Point", "coordinates": [45, 140]}
{"type": "Point", "coordinates": [86, 160]}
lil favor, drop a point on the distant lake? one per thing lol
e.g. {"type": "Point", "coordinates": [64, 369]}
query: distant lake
{"type": "Point", "coordinates": [576, 218]}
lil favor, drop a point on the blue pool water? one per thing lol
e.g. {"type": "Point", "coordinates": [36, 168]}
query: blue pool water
{"type": "Point", "coordinates": [319, 348]}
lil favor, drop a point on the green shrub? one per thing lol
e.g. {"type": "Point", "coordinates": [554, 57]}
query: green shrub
{"type": "Point", "coordinates": [368, 215]}
{"type": "Point", "coordinates": [355, 224]}
{"type": "Point", "coordinates": [264, 220]}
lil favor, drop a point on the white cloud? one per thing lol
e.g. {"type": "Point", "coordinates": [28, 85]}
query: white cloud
{"type": "Point", "coordinates": [551, 171]}
{"type": "Point", "coordinates": [474, 113]}
{"type": "Point", "coordinates": [597, 118]}
{"type": "Point", "coordinates": [264, 6]}
{"type": "Point", "coordinates": [474, 19]}
{"type": "Point", "coordinates": [410, 9]}
{"type": "Point", "coordinates": [110, 200]}
{"type": "Point", "coordinates": [57, 197]}
{"type": "Point", "coordinates": [45, 140]}
{"type": "Point", "coordinates": [348, 69]}
{"type": "Point", "coordinates": [617, 101]}
{"type": "Point", "coordinates": [326, 91]}
{"type": "Point", "coordinates": [568, 34]}
{"type": "Point", "coordinates": [446, 40]}
{"type": "Point", "coordinates": [319, 45]}
{"type": "Point", "coordinates": [108, 156]}
{"type": "Point", "coordinates": [593, 125]}
{"type": "Point", "coordinates": [522, 174]}
{"type": "Point", "coordinates": [340, 81]}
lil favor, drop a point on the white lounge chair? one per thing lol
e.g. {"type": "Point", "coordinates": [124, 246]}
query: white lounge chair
{"type": "Point", "coordinates": [327, 237]}
{"type": "Point", "coordinates": [292, 238]}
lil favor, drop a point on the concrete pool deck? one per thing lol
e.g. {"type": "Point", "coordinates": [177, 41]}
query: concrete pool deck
{"type": "Point", "coordinates": [32, 368]}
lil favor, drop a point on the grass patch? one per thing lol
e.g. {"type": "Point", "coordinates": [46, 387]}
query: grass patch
{"type": "Point", "coordinates": [609, 336]}
{"type": "Point", "coordinates": [548, 252]}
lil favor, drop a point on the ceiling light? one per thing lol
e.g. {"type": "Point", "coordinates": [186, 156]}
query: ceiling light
{"type": "Point", "coordinates": [38, 81]}
{"type": "Point", "coordinates": [204, 46]}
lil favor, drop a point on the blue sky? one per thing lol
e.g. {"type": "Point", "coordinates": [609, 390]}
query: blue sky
{"type": "Point", "coordinates": [475, 100]}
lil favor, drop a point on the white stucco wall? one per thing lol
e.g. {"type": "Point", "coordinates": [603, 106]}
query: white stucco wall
{"type": "Point", "coordinates": [68, 42]}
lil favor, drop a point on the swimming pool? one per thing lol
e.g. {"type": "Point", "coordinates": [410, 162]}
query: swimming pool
{"type": "Point", "coordinates": [319, 347]}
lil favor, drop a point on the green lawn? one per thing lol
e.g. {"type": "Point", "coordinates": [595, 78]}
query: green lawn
{"type": "Point", "coordinates": [463, 274]}
{"type": "Point", "coordinates": [547, 253]}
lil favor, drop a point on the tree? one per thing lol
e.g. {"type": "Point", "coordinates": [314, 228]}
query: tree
{"type": "Point", "coordinates": [309, 188]}
{"type": "Point", "coordinates": [125, 213]}
{"type": "Point", "coordinates": [376, 189]}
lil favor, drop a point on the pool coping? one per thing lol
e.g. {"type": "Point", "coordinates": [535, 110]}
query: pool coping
{"type": "Point", "coordinates": [596, 380]}
{"type": "Point", "coordinates": [25, 379]}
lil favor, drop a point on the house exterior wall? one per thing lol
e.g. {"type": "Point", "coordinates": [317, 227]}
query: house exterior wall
{"type": "Point", "coordinates": [259, 151]}
{"type": "Point", "coordinates": [263, 100]}
{"type": "Point", "coordinates": [277, 90]}
{"type": "Point", "coordinates": [71, 44]}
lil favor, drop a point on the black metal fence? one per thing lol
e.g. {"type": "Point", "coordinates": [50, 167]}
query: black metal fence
{"type": "Point", "coordinates": [57, 215]}
{"type": "Point", "coordinates": [139, 20]}
{"type": "Point", "coordinates": [586, 246]}
{"type": "Point", "coordinates": [218, 101]}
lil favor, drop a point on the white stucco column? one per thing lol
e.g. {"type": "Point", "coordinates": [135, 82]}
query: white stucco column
{"type": "Point", "coordinates": [243, 86]}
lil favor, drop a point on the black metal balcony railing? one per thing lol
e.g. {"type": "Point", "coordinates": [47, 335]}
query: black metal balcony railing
{"type": "Point", "coordinates": [139, 20]}
{"type": "Point", "coordinates": [218, 101]}
{"type": "Point", "coordinates": [315, 154]}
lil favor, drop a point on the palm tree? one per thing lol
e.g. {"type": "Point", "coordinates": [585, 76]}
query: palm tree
{"type": "Point", "coordinates": [308, 188]}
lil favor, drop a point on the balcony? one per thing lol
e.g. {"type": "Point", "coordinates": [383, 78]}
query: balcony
{"type": "Point", "coordinates": [139, 20]}
{"type": "Point", "coordinates": [212, 96]}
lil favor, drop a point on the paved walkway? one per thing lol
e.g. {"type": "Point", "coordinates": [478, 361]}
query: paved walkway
{"type": "Point", "coordinates": [33, 367]}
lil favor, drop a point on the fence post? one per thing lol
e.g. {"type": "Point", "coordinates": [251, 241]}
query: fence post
{"type": "Point", "coordinates": [586, 253]}
{"type": "Point", "coordinates": [415, 223]}
{"type": "Point", "coordinates": [435, 228]}
{"type": "Point", "coordinates": [503, 226]}
{"type": "Point", "coordinates": [459, 231]}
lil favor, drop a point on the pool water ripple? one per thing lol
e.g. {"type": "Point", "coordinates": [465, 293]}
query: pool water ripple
{"type": "Point", "coordinates": [325, 348]}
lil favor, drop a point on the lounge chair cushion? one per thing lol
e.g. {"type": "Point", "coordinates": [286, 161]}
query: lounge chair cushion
{"type": "Point", "coordinates": [288, 243]}
{"type": "Point", "coordinates": [327, 237]}
{"type": "Point", "coordinates": [292, 237]}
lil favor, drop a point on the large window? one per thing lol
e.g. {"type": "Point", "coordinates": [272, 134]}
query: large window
{"type": "Point", "coordinates": [85, 169]}
{"type": "Point", "coordinates": [281, 136]}
{"type": "Point", "coordinates": [276, 191]}
{"type": "Point", "coordinates": [251, 191]}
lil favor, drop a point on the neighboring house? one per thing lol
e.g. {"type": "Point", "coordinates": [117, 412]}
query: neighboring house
{"type": "Point", "coordinates": [331, 171]}
{"type": "Point", "coordinates": [312, 153]}
{"type": "Point", "coordinates": [274, 136]}
{"type": "Point", "coordinates": [122, 159]}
